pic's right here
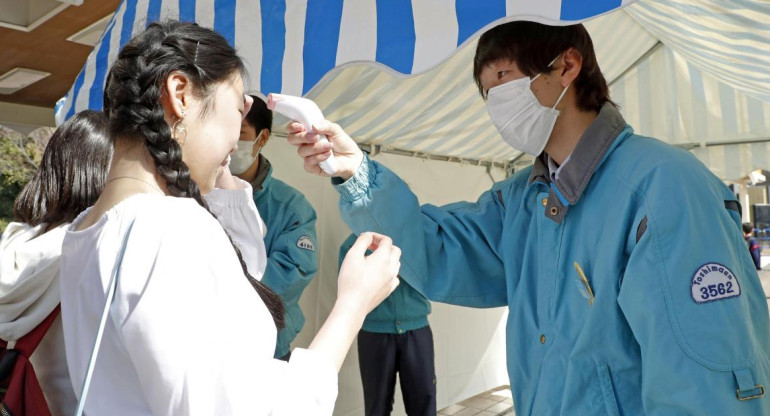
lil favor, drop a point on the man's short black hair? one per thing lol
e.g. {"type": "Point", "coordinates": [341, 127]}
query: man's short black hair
{"type": "Point", "coordinates": [532, 46]}
{"type": "Point", "coordinates": [260, 117]}
{"type": "Point", "coordinates": [747, 227]}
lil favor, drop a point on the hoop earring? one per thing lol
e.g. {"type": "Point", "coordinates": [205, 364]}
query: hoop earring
{"type": "Point", "coordinates": [177, 130]}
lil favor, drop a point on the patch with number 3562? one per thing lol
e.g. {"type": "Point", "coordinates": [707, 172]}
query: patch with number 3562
{"type": "Point", "coordinates": [714, 281]}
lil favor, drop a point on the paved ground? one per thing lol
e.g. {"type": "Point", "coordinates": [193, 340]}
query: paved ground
{"type": "Point", "coordinates": [496, 402]}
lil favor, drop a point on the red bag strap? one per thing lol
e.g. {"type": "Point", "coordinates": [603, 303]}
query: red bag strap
{"type": "Point", "coordinates": [28, 343]}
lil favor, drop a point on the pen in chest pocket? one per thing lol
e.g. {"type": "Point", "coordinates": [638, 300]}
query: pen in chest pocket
{"type": "Point", "coordinates": [586, 284]}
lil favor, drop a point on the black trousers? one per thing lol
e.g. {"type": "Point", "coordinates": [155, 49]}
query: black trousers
{"type": "Point", "coordinates": [410, 355]}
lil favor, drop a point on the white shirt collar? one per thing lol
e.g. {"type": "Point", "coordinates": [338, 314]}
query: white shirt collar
{"type": "Point", "coordinates": [553, 168]}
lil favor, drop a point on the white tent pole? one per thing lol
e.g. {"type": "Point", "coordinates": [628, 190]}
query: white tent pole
{"type": "Point", "coordinates": [689, 146]}
{"type": "Point", "coordinates": [374, 149]}
{"type": "Point", "coordinates": [649, 52]}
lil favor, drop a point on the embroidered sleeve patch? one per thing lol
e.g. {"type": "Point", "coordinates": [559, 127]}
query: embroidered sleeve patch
{"type": "Point", "coordinates": [306, 243]}
{"type": "Point", "coordinates": [714, 281]}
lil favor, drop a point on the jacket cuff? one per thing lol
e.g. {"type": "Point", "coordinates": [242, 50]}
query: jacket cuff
{"type": "Point", "coordinates": [358, 185]}
{"type": "Point", "coordinates": [230, 197]}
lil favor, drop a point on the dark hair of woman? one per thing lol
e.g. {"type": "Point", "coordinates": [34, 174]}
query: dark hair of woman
{"type": "Point", "coordinates": [71, 174]}
{"type": "Point", "coordinates": [132, 102]}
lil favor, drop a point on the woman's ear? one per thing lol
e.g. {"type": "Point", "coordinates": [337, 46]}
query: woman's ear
{"type": "Point", "coordinates": [176, 95]}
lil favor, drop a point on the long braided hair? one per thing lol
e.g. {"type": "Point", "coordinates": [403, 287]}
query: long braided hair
{"type": "Point", "coordinates": [132, 101]}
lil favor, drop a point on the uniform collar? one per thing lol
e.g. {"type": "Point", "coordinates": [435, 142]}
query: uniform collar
{"type": "Point", "coordinates": [602, 136]}
{"type": "Point", "coordinates": [264, 173]}
{"type": "Point", "coordinates": [590, 152]}
{"type": "Point", "coordinates": [553, 168]}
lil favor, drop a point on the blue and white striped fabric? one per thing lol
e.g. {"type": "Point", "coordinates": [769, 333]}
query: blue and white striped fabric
{"type": "Point", "coordinates": [289, 45]}
{"type": "Point", "coordinates": [709, 85]}
{"type": "Point", "coordinates": [661, 93]}
{"type": "Point", "coordinates": [690, 72]}
{"type": "Point", "coordinates": [668, 97]}
{"type": "Point", "coordinates": [440, 112]}
{"type": "Point", "coordinates": [729, 39]}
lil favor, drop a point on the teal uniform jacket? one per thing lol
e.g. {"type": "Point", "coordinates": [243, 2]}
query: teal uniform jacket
{"type": "Point", "coordinates": [670, 319]}
{"type": "Point", "coordinates": [403, 310]}
{"type": "Point", "coordinates": [292, 260]}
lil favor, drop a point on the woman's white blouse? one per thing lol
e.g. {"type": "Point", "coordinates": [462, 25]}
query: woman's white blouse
{"type": "Point", "coordinates": [188, 334]}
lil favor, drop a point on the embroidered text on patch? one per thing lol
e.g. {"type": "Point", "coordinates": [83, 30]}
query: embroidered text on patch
{"type": "Point", "coordinates": [306, 243]}
{"type": "Point", "coordinates": [714, 281]}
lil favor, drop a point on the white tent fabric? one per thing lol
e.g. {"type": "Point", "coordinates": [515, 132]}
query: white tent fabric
{"type": "Point", "coordinates": [728, 39]}
{"type": "Point", "coordinates": [707, 88]}
{"type": "Point", "coordinates": [669, 98]}
{"type": "Point", "coordinates": [734, 161]}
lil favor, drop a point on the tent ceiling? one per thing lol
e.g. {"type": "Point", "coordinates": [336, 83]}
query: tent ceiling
{"type": "Point", "coordinates": [727, 39]}
{"type": "Point", "coordinates": [663, 93]}
{"type": "Point", "coordinates": [440, 112]}
{"type": "Point", "coordinates": [289, 45]}
{"type": "Point", "coordinates": [690, 72]}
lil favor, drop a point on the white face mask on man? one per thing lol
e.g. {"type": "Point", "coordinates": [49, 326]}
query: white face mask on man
{"type": "Point", "coordinates": [243, 157]}
{"type": "Point", "coordinates": [524, 123]}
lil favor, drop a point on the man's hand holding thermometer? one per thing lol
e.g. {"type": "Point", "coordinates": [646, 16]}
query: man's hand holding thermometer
{"type": "Point", "coordinates": [315, 137]}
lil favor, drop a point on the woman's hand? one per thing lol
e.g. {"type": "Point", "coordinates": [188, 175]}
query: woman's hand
{"type": "Point", "coordinates": [365, 281]}
{"type": "Point", "coordinates": [226, 180]}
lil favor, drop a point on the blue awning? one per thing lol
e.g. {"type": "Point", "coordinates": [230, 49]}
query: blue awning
{"type": "Point", "coordinates": [290, 45]}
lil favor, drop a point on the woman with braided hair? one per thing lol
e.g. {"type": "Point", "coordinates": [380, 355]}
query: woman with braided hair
{"type": "Point", "coordinates": [190, 330]}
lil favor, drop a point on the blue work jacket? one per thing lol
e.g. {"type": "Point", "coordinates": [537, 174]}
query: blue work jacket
{"type": "Point", "coordinates": [403, 310]}
{"type": "Point", "coordinates": [629, 286]}
{"type": "Point", "coordinates": [290, 242]}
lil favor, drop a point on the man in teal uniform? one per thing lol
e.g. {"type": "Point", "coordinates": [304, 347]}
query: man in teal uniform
{"type": "Point", "coordinates": [621, 258]}
{"type": "Point", "coordinates": [396, 338]}
{"type": "Point", "coordinates": [290, 241]}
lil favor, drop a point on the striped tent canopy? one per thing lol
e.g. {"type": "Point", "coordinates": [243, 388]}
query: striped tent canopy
{"type": "Point", "coordinates": [660, 78]}
{"type": "Point", "coordinates": [706, 85]}
{"type": "Point", "coordinates": [396, 74]}
{"type": "Point", "coordinates": [289, 45]}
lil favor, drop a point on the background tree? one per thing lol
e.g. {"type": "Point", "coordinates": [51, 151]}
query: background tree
{"type": "Point", "coordinates": [19, 157]}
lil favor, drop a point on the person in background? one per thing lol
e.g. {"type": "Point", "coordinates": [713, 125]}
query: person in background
{"type": "Point", "coordinates": [753, 244]}
{"type": "Point", "coordinates": [290, 242]}
{"type": "Point", "coordinates": [69, 179]}
{"type": "Point", "coordinates": [396, 338]}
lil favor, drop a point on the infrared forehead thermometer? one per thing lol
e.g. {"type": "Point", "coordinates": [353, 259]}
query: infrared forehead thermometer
{"type": "Point", "coordinates": [307, 113]}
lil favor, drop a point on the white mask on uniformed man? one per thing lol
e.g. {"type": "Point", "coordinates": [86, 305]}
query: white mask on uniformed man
{"type": "Point", "coordinates": [243, 157]}
{"type": "Point", "coordinates": [524, 123]}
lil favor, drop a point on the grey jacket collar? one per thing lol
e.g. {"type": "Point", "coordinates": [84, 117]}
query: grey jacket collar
{"type": "Point", "coordinates": [590, 151]}
{"type": "Point", "coordinates": [263, 173]}
{"type": "Point", "coordinates": [586, 157]}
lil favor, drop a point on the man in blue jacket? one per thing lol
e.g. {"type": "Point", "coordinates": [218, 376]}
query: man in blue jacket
{"type": "Point", "coordinates": [621, 258]}
{"type": "Point", "coordinates": [753, 245]}
{"type": "Point", "coordinates": [290, 241]}
{"type": "Point", "coordinates": [396, 338]}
